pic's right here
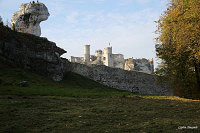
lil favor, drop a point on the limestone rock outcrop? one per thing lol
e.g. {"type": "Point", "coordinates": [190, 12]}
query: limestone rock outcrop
{"type": "Point", "coordinates": [29, 16]}
{"type": "Point", "coordinates": [32, 53]}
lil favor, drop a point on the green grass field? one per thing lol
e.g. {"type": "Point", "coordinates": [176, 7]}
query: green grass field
{"type": "Point", "coordinates": [78, 104]}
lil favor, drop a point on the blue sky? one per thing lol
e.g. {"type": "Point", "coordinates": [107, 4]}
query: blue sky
{"type": "Point", "coordinates": [127, 24]}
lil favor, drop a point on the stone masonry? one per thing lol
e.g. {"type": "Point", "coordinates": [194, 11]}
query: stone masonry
{"type": "Point", "coordinates": [132, 81]}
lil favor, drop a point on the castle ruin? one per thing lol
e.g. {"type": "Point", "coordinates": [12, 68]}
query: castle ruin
{"type": "Point", "coordinates": [103, 67]}
{"type": "Point", "coordinates": [107, 58]}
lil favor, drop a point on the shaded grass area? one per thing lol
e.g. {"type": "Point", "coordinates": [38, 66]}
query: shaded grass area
{"type": "Point", "coordinates": [78, 104]}
{"type": "Point", "coordinates": [73, 85]}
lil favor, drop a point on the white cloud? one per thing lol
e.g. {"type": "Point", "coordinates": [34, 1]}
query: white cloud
{"type": "Point", "coordinates": [72, 17]}
{"type": "Point", "coordinates": [128, 2]}
{"type": "Point", "coordinates": [144, 1]}
{"type": "Point", "coordinates": [99, 1]}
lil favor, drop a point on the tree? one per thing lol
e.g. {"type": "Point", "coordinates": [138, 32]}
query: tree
{"type": "Point", "coordinates": [178, 44]}
{"type": "Point", "coordinates": [1, 21]}
{"type": "Point", "coordinates": [13, 27]}
{"type": "Point", "coordinates": [7, 23]}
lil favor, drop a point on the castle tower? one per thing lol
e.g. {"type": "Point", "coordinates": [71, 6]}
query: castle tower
{"type": "Point", "coordinates": [86, 53]}
{"type": "Point", "coordinates": [108, 58]}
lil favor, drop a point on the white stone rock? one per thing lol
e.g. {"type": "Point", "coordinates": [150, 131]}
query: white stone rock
{"type": "Point", "coordinates": [29, 16]}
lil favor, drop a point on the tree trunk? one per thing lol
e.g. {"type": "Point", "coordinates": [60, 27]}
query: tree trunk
{"type": "Point", "coordinates": [197, 72]}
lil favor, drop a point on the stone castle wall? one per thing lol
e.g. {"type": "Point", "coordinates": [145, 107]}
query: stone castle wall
{"type": "Point", "coordinates": [142, 65]}
{"type": "Point", "coordinates": [133, 81]}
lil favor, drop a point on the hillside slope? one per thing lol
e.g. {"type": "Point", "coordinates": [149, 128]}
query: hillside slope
{"type": "Point", "coordinates": [73, 85]}
{"type": "Point", "coordinates": [78, 104]}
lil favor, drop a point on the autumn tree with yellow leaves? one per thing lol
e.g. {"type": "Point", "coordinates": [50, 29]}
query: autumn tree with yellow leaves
{"type": "Point", "coordinates": [178, 44]}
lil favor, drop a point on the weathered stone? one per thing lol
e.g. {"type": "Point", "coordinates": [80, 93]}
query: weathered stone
{"type": "Point", "coordinates": [28, 18]}
{"type": "Point", "coordinates": [32, 53]}
{"type": "Point", "coordinates": [142, 65]}
{"type": "Point", "coordinates": [133, 81]}
{"type": "Point", "coordinates": [23, 84]}
{"type": "Point", "coordinates": [107, 58]}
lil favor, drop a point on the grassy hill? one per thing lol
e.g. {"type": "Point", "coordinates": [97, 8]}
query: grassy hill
{"type": "Point", "coordinates": [78, 104]}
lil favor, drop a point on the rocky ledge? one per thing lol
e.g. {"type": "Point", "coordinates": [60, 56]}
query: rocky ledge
{"type": "Point", "coordinates": [32, 53]}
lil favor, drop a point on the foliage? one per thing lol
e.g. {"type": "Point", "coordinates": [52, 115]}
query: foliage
{"type": "Point", "coordinates": [13, 27]}
{"type": "Point", "coordinates": [179, 44]}
{"type": "Point", "coordinates": [1, 22]}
